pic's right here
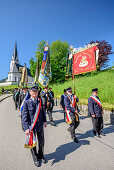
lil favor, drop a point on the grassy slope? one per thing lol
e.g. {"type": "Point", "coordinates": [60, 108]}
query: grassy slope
{"type": "Point", "coordinates": [8, 87]}
{"type": "Point", "coordinates": [103, 80]}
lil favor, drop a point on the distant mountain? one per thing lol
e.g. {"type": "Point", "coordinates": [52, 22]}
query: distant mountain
{"type": "Point", "coordinates": [3, 80]}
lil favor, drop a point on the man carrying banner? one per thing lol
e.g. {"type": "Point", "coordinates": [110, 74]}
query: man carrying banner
{"type": "Point", "coordinates": [96, 112]}
{"type": "Point", "coordinates": [34, 119]}
{"type": "Point", "coordinates": [46, 100]}
{"type": "Point", "coordinates": [72, 112]}
{"type": "Point", "coordinates": [52, 98]}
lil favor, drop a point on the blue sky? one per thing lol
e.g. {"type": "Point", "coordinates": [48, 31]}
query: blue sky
{"type": "Point", "coordinates": [30, 21]}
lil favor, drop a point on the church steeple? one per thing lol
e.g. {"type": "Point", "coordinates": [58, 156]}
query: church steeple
{"type": "Point", "coordinates": [15, 54]}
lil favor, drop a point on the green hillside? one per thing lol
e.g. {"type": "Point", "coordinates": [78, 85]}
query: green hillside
{"type": "Point", "coordinates": [103, 80]}
{"type": "Point", "coordinates": [11, 87]}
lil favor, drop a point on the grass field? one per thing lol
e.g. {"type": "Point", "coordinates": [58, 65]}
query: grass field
{"type": "Point", "coordinates": [103, 80]}
{"type": "Point", "coordinates": [8, 87]}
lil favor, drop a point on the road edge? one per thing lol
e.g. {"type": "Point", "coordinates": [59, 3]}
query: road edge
{"type": "Point", "coordinates": [5, 97]}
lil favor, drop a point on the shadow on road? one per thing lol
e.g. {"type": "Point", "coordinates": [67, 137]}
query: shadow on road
{"type": "Point", "coordinates": [83, 117]}
{"type": "Point", "coordinates": [55, 111]}
{"type": "Point", "coordinates": [62, 151]}
{"type": "Point", "coordinates": [58, 121]}
{"type": "Point", "coordinates": [89, 133]}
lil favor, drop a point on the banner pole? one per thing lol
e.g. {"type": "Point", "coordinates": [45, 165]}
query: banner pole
{"type": "Point", "coordinates": [76, 114]}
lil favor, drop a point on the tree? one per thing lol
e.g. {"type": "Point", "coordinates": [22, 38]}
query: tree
{"type": "Point", "coordinates": [105, 49]}
{"type": "Point", "coordinates": [58, 55]}
{"type": "Point", "coordinates": [39, 53]}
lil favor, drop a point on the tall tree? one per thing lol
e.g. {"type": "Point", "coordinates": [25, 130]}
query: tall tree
{"type": "Point", "coordinates": [105, 49]}
{"type": "Point", "coordinates": [58, 55]}
{"type": "Point", "coordinates": [39, 53]}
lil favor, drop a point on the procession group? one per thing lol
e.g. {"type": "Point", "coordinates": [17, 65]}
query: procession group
{"type": "Point", "coordinates": [35, 103]}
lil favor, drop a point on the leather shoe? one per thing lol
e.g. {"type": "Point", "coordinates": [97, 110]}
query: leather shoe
{"type": "Point", "coordinates": [52, 123]}
{"type": "Point", "coordinates": [44, 160]}
{"type": "Point", "coordinates": [75, 140]}
{"type": "Point", "coordinates": [102, 134]}
{"type": "Point", "coordinates": [98, 135]}
{"type": "Point", "coordinates": [37, 163]}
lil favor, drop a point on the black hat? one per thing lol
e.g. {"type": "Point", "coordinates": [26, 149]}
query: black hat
{"type": "Point", "coordinates": [34, 88]}
{"type": "Point", "coordinates": [64, 90]}
{"type": "Point", "coordinates": [69, 89]}
{"type": "Point", "coordinates": [96, 89]}
{"type": "Point", "coordinates": [50, 87]}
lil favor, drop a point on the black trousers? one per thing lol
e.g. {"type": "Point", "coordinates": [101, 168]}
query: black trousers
{"type": "Point", "coordinates": [73, 125]}
{"type": "Point", "coordinates": [64, 115]}
{"type": "Point", "coordinates": [40, 153]}
{"type": "Point", "coordinates": [52, 105]}
{"type": "Point", "coordinates": [49, 112]}
{"type": "Point", "coordinates": [16, 104]}
{"type": "Point", "coordinates": [97, 125]}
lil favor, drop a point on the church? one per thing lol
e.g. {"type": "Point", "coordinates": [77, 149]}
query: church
{"type": "Point", "coordinates": [14, 76]}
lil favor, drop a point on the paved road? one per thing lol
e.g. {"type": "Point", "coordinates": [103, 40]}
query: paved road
{"type": "Point", "coordinates": [62, 154]}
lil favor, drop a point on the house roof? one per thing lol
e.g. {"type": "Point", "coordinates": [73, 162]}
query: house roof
{"type": "Point", "coordinates": [28, 70]}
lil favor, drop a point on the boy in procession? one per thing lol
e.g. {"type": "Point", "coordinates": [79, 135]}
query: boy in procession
{"type": "Point", "coordinates": [72, 111]}
{"type": "Point", "coordinates": [28, 119]}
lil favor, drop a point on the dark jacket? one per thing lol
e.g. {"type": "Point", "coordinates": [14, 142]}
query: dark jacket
{"type": "Point", "coordinates": [28, 113]}
{"type": "Point", "coordinates": [21, 97]}
{"type": "Point", "coordinates": [62, 101]}
{"type": "Point", "coordinates": [17, 96]}
{"type": "Point", "coordinates": [52, 94]}
{"type": "Point", "coordinates": [94, 108]}
{"type": "Point", "coordinates": [44, 98]}
{"type": "Point", "coordinates": [68, 104]}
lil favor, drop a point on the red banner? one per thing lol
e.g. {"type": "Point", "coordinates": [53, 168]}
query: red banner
{"type": "Point", "coordinates": [84, 61]}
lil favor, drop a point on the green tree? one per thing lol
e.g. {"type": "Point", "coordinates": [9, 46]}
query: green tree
{"type": "Point", "coordinates": [39, 53]}
{"type": "Point", "coordinates": [58, 55]}
{"type": "Point", "coordinates": [33, 65]}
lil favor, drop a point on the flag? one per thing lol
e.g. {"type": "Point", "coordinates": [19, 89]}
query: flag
{"type": "Point", "coordinates": [37, 71]}
{"type": "Point", "coordinates": [45, 72]}
{"type": "Point", "coordinates": [69, 67]}
{"type": "Point", "coordinates": [24, 77]}
{"type": "Point", "coordinates": [84, 61]}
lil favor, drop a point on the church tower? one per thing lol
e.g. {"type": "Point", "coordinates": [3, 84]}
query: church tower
{"type": "Point", "coordinates": [14, 76]}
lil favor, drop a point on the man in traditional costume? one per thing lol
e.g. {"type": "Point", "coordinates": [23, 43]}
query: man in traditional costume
{"type": "Point", "coordinates": [72, 111]}
{"type": "Point", "coordinates": [17, 93]}
{"type": "Point", "coordinates": [52, 98]}
{"type": "Point", "coordinates": [46, 100]}
{"type": "Point", "coordinates": [96, 112]}
{"type": "Point", "coordinates": [34, 119]}
{"type": "Point", "coordinates": [22, 95]}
